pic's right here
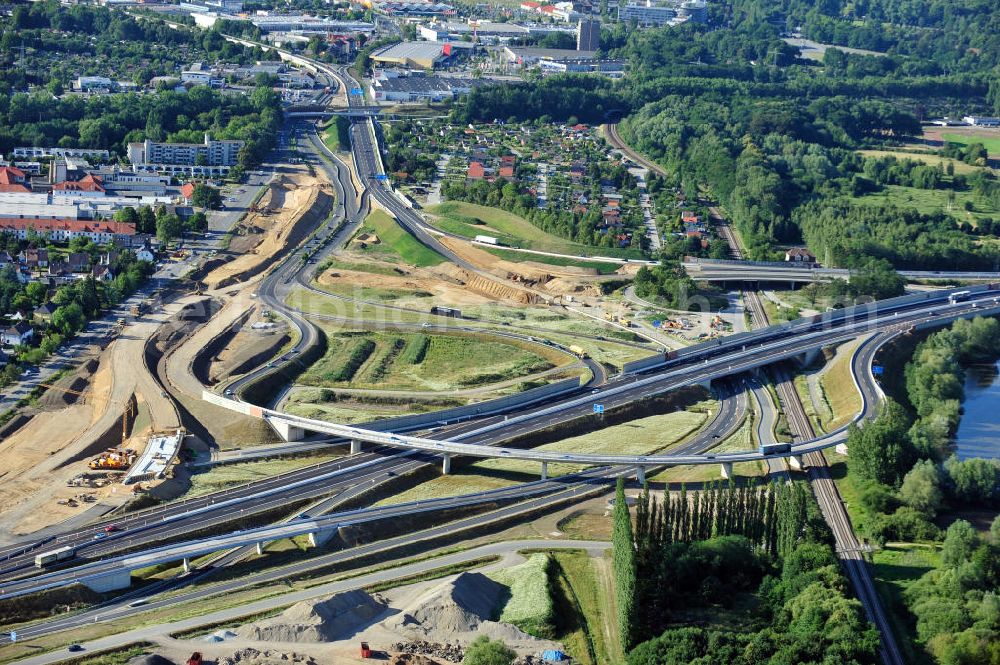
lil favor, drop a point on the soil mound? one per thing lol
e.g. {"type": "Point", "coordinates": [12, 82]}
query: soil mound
{"type": "Point", "coordinates": [251, 656]}
{"type": "Point", "coordinates": [150, 659]}
{"type": "Point", "coordinates": [464, 605]}
{"type": "Point", "coordinates": [318, 621]}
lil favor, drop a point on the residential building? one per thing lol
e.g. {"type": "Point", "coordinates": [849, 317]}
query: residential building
{"type": "Point", "coordinates": [17, 334]}
{"type": "Point", "coordinates": [43, 313]}
{"type": "Point", "coordinates": [94, 84]}
{"type": "Point", "coordinates": [588, 35]}
{"type": "Point", "coordinates": [799, 255]}
{"type": "Point", "coordinates": [34, 258]}
{"type": "Point", "coordinates": [89, 185]}
{"type": "Point", "coordinates": [87, 153]}
{"type": "Point", "coordinates": [62, 230]}
{"type": "Point", "coordinates": [209, 153]}
{"type": "Point", "coordinates": [663, 12]}
{"type": "Point", "coordinates": [13, 180]}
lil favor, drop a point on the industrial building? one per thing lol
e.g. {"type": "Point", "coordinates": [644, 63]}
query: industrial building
{"type": "Point", "coordinates": [423, 55]}
{"type": "Point", "coordinates": [421, 88]}
{"type": "Point", "coordinates": [668, 12]}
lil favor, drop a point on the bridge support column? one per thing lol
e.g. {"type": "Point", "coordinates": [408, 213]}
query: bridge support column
{"type": "Point", "coordinates": [112, 582]}
{"type": "Point", "coordinates": [795, 462]}
{"type": "Point", "coordinates": [640, 474]}
{"type": "Point", "coordinates": [187, 565]}
{"type": "Point", "coordinates": [287, 431]}
{"type": "Point", "coordinates": [727, 470]}
{"type": "Point", "coordinates": [260, 549]}
{"type": "Point", "coordinates": [808, 357]}
{"type": "Point", "coordinates": [706, 384]}
{"type": "Point", "coordinates": [841, 448]}
{"type": "Point", "coordinates": [355, 447]}
{"type": "Point", "coordinates": [317, 538]}
{"type": "Point", "coordinates": [446, 464]}
{"type": "Point", "coordinates": [545, 470]}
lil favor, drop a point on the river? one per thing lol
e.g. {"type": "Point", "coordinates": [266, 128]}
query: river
{"type": "Point", "coordinates": [979, 430]}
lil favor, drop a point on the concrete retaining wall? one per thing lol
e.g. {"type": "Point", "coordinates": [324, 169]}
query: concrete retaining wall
{"type": "Point", "coordinates": [643, 363]}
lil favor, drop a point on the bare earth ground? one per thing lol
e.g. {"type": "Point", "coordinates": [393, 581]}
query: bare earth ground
{"type": "Point", "coordinates": [288, 198]}
{"type": "Point", "coordinates": [934, 135]}
{"type": "Point", "coordinates": [37, 457]}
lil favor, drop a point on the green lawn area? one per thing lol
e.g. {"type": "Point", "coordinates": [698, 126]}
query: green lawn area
{"type": "Point", "coordinates": [392, 361]}
{"type": "Point", "coordinates": [839, 391]}
{"type": "Point", "coordinates": [897, 566]}
{"type": "Point", "coordinates": [586, 583]}
{"type": "Point", "coordinates": [929, 201]}
{"type": "Point", "coordinates": [992, 145]}
{"type": "Point", "coordinates": [469, 220]}
{"type": "Point", "coordinates": [222, 476]}
{"type": "Point", "coordinates": [396, 241]}
{"type": "Point", "coordinates": [529, 606]}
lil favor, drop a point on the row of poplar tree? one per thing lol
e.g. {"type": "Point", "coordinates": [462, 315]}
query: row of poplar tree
{"type": "Point", "coordinates": [771, 516]}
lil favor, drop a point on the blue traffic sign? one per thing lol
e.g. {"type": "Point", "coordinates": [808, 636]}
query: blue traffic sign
{"type": "Point", "coordinates": [878, 370]}
{"type": "Point", "coordinates": [598, 408]}
{"type": "Point", "coordinates": [357, 91]}
{"type": "Point", "coordinates": [657, 323]}
{"type": "Point", "coordinates": [381, 176]}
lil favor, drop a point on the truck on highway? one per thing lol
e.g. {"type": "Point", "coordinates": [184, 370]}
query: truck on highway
{"type": "Point", "coordinates": [775, 448]}
{"type": "Point", "coordinates": [958, 297]}
{"type": "Point", "coordinates": [51, 557]}
{"type": "Point", "coordinates": [578, 351]}
{"type": "Point", "coordinates": [489, 240]}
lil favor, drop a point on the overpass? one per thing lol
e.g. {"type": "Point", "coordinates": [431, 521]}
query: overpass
{"type": "Point", "coordinates": [725, 270]}
{"type": "Point", "coordinates": [321, 111]}
{"type": "Point", "coordinates": [700, 365]}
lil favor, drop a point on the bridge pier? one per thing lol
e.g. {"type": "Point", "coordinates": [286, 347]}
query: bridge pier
{"type": "Point", "coordinates": [545, 470]}
{"type": "Point", "coordinates": [260, 549]}
{"type": "Point", "coordinates": [795, 462]}
{"type": "Point", "coordinates": [841, 448]}
{"type": "Point", "coordinates": [355, 447]}
{"type": "Point", "coordinates": [321, 537]}
{"type": "Point", "coordinates": [727, 470]}
{"type": "Point", "coordinates": [446, 464]}
{"type": "Point", "coordinates": [287, 431]}
{"type": "Point", "coordinates": [121, 579]}
{"type": "Point", "coordinates": [706, 384]}
{"type": "Point", "coordinates": [186, 562]}
{"type": "Point", "coordinates": [808, 357]}
{"type": "Point", "coordinates": [640, 474]}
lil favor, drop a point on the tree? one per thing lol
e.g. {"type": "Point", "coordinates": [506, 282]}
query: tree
{"type": "Point", "coordinates": [169, 227]}
{"type": "Point", "coordinates": [880, 450]}
{"type": "Point", "coordinates": [623, 561]}
{"type": "Point", "coordinates": [921, 487]}
{"type": "Point", "coordinates": [206, 197]}
{"type": "Point", "coordinates": [959, 542]}
{"type": "Point", "coordinates": [484, 651]}
{"type": "Point", "coordinates": [973, 480]}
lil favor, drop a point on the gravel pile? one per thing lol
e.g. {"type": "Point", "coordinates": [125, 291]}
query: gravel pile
{"type": "Point", "coordinates": [318, 621]}
{"type": "Point", "coordinates": [458, 610]}
{"type": "Point", "coordinates": [251, 656]}
{"type": "Point", "coordinates": [451, 653]}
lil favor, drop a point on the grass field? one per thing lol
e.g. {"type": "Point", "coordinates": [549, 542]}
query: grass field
{"type": "Point", "coordinates": [897, 566]}
{"type": "Point", "coordinates": [530, 606]}
{"type": "Point", "coordinates": [839, 390]}
{"type": "Point", "coordinates": [389, 361]}
{"type": "Point", "coordinates": [929, 201]}
{"type": "Point", "coordinates": [925, 157]}
{"type": "Point", "coordinates": [228, 475]}
{"type": "Point", "coordinates": [469, 220]}
{"type": "Point", "coordinates": [992, 144]}
{"type": "Point", "coordinates": [642, 436]}
{"type": "Point", "coordinates": [395, 241]}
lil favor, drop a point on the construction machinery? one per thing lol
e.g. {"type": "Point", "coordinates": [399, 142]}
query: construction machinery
{"type": "Point", "coordinates": [113, 459]}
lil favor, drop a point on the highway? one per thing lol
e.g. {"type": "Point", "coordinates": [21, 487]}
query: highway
{"type": "Point", "coordinates": [737, 270]}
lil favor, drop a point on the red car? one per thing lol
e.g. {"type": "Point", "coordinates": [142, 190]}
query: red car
{"type": "Point", "coordinates": [111, 528]}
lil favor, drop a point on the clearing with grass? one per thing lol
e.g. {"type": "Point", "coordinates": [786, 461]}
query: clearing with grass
{"type": "Point", "coordinates": [929, 201]}
{"type": "Point", "coordinates": [530, 605]}
{"type": "Point", "coordinates": [395, 242]}
{"type": "Point", "coordinates": [469, 220]}
{"type": "Point", "coordinates": [426, 362]}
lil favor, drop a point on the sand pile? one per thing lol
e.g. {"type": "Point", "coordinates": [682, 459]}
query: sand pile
{"type": "Point", "coordinates": [318, 621]}
{"type": "Point", "coordinates": [462, 606]}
